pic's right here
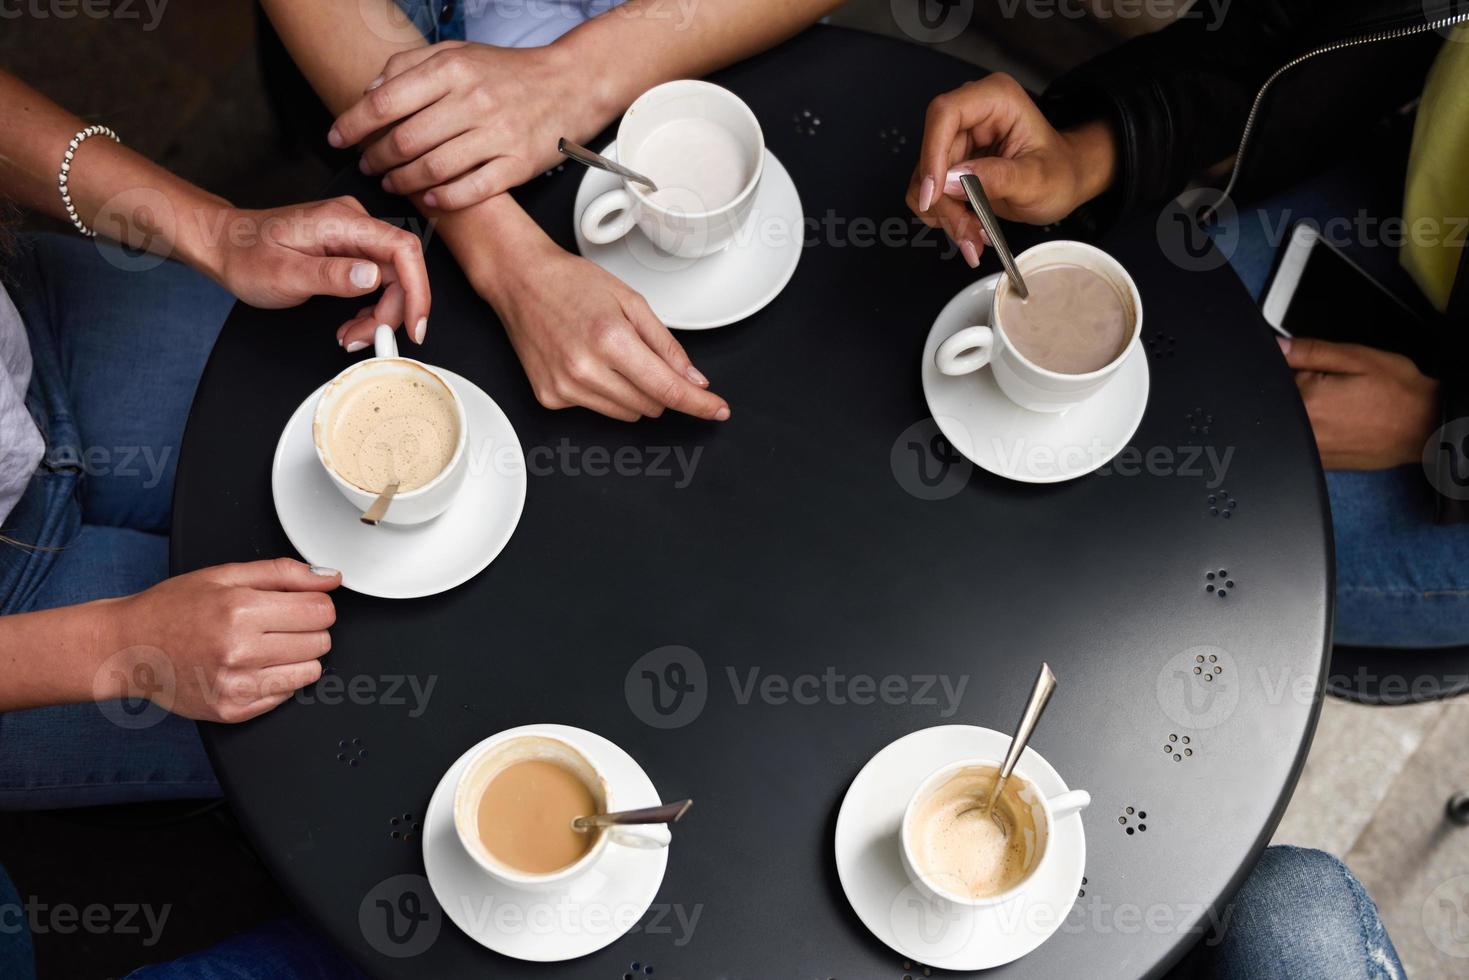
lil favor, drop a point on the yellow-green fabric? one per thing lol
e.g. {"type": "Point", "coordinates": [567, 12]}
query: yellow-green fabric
{"type": "Point", "coordinates": [1436, 199]}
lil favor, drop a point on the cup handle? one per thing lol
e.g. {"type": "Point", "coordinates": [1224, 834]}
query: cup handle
{"type": "Point", "coordinates": [385, 341]}
{"type": "Point", "coordinates": [968, 350]}
{"type": "Point", "coordinates": [1066, 804]}
{"type": "Point", "coordinates": [648, 837]}
{"type": "Point", "coordinates": [600, 222]}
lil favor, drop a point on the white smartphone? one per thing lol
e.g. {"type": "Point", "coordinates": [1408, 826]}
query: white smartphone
{"type": "Point", "coordinates": [1317, 291]}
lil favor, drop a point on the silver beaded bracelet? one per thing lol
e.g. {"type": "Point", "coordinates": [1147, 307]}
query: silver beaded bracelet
{"type": "Point", "coordinates": [65, 175]}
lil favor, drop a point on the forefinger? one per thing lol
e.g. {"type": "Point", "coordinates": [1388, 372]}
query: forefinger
{"type": "Point", "coordinates": [395, 99]}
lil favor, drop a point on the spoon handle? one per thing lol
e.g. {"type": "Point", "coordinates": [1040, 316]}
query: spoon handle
{"type": "Point", "coordinates": [980, 202]}
{"type": "Point", "coordinates": [667, 813]}
{"type": "Point", "coordinates": [591, 158]}
{"type": "Point", "coordinates": [1040, 696]}
{"type": "Point", "coordinates": [379, 508]}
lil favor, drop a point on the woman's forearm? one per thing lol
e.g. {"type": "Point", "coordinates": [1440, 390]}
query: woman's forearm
{"type": "Point", "coordinates": [58, 656]}
{"type": "Point", "coordinates": [118, 193]}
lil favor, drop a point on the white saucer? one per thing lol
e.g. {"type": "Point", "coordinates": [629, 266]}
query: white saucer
{"type": "Point", "coordinates": [406, 562]}
{"type": "Point", "coordinates": [1000, 436]}
{"type": "Point", "coordinates": [594, 911]}
{"type": "Point", "coordinates": [719, 289]}
{"type": "Point", "coordinates": [936, 934]}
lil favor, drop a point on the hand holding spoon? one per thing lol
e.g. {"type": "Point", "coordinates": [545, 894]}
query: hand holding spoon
{"type": "Point", "coordinates": [667, 813]}
{"type": "Point", "coordinates": [1040, 696]}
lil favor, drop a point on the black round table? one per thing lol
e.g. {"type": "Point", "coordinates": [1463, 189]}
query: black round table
{"type": "Point", "coordinates": [824, 532]}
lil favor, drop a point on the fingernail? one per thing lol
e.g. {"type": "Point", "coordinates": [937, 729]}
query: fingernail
{"type": "Point", "coordinates": [323, 570]}
{"type": "Point", "coordinates": [721, 415]}
{"type": "Point", "coordinates": [1284, 343]}
{"type": "Point", "coordinates": [971, 254]}
{"type": "Point", "coordinates": [334, 138]}
{"type": "Point", "coordinates": [387, 184]}
{"type": "Point", "coordinates": [363, 166]}
{"type": "Point", "coordinates": [374, 84]}
{"type": "Point", "coordinates": [339, 340]}
{"type": "Point", "coordinates": [951, 180]}
{"type": "Point", "coordinates": [420, 330]}
{"type": "Point", "coordinates": [925, 194]}
{"type": "Point", "coordinates": [430, 200]}
{"type": "Point", "coordinates": [697, 376]}
{"type": "Point", "coordinates": [364, 275]}
{"type": "Point", "coordinates": [356, 346]}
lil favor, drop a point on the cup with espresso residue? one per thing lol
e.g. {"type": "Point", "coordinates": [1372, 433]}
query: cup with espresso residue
{"type": "Point", "coordinates": [959, 854]}
{"type": "Point", "coordinates": [514, 806]}
{"type": "Point", "coordinates": [1066, 341]}
{"type": "Point", "coordinates": [391, 419]}
{"type": "Point", "coordinates": [704, 148]}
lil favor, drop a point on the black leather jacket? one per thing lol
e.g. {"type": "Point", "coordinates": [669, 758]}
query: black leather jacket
{"type": "Point", "coordinates": [1289, 87]}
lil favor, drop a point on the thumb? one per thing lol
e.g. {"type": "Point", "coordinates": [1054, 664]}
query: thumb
{"type": "Point", "coordinates": [1000, 176]}
{"type": "Point", "coordinates": [1310, 354]}
{"type": "Point", "coordinates": [317, 275]}
{"type": "Point", "coordinates": [279, 575]}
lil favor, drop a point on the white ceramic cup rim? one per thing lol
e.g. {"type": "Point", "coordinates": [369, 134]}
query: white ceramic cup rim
{"type": "Point", "coordinates": [475, 847]}
{"type": "Point", "coordinates": [1104, 265]}
{"type": "Point", "coordinates": [635, 188]}
{"type": "Point", "coordinates": [378, 363]}
{"type": "Point", "coordinates": [944, 772]}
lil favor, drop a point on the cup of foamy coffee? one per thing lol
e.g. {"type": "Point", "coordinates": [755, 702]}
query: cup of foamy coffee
{"type": "Point", "coordinates": [704, 149]}
{"type": "Point", "coordinates": [514, 806]}
{"type": "Point", "coordinates": [391, 419]}
{"type": "Point", "coordinates": [960, 854]}
{"type": "Point", "coordinates": [1062, 344]}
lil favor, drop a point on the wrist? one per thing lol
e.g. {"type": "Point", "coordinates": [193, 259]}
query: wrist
{"type": "Point", "coordinates": [595, 92]}
{"type": "Point", "coordinates": [202, 234]}
{"type": "Point", "coordinates": [1093, 148]}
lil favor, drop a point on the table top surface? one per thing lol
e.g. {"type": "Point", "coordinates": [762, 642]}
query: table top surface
{"type": "Point", "coordinates": [805, 545]}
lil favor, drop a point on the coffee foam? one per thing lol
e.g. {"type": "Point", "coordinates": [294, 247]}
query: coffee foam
{"type": "Point", "coordinates": [391, 425]}
{"type": "Point", "coordinates": [965, 853]}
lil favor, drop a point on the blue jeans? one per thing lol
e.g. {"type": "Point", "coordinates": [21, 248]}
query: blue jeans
{"type": "Point", "coordinates": [1401, 580]}
{"type": "Point", "coordinates": [118, 352]}
{"type": "Point", "coordinates": [1301, 915]}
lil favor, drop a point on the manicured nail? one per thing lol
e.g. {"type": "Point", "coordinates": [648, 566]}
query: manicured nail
{"type": "Point", "coordinates": [323, 570]}
{"type": "Point", "coordinates": [356, 346]}
{"type": "Point", "coordinates": [420, 330]}
{"type": "Point", "coordinates": [364, 275]}
{"type": "Point", "coordinates": [334, 138]}
{"type": "Point", "coordinates": [971, 254]}
{"type": "Point", "coordinates": [1284, 343]}
{"type": "Point", "coordinates": [374, 84]}
{"type": "Point", "coordinates": [951, 181]}
{"type": "Point", "coordinates": [925, 194]}
{"type": "Point", "coordinates": [721, 415]}
{"type": "Point", "coordinates": [697, 376]}
{"type": "Point", "coordinates": [430, 200]}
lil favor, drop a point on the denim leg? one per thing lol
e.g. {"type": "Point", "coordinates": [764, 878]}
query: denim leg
{"type": "Point", "coordinates": [131, 336]}
{"type": "Point", "coordinates": [281, 950]}
{"type": "Point", "coordinates": [1301, 915]}
{"type": "Point", "coordinates": [94, 754]}
{"type": "Point", "coordinates": [17, 958]}
{"type": "Point", "coordinates": [1401, 580]}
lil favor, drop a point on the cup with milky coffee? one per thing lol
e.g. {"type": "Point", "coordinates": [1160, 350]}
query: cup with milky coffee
{"type": "Point", "coordinates": [959, 854]}
{"type": "Point", "coordinates": [392, 419]}
{"type": "Point", "coordinates": [514, 806]}
{"type": "Point", "coordinates": [1066, 341]}
{"type": "Point", "coordinates": [704, 149]}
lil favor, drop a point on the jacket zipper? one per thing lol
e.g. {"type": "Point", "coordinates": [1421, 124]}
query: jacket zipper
{"type": "Point", "coordinates": [1353, 42]}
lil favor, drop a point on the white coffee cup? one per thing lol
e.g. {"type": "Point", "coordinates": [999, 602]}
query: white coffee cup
{"type": "Point", "coordinates": [498, 754]}
{"type": "Point", "coordinates": [683, 224]}
{"type": "Point", "coordinates": [1024, 382]}
{"type": "Point", "coordinates": [1045, 812]}
{"type": "Point", "coordinates": [412, 506]}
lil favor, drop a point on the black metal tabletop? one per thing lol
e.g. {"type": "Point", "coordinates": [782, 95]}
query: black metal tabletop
{"type": "Point", "coordinates": [822, 532]}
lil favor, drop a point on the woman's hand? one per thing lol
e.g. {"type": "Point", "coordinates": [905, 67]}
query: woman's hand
{"type": "Point", "coordinates": [585, 338]}
{"type": "Point", "coordinates": [284, 256]}
{"type": "Point", "coordinates": [465, 121]}
{"type": "Point", "coordinates": [1369, 409]}
{"type": "Point", "coordinates": [1030, 171]}
{"type": "Point", "coordinates": [221, 644]}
